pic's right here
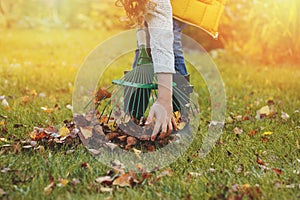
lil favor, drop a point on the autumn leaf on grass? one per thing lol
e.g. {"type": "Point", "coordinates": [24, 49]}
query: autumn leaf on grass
{"type": "Point", "coordinates": [277, 171]}
{"type": "Point", "coordinates": [259, 161]}
{"type": "Point", "coordinates": [252, 133]}
{"type": "Point", "coordinates": [101, 94]}
{"type": "Point", "coordinates": [268, 133]}
{"type": "Point", "coordinates": [106, 180]}
{"type": "Point", "coordinates": [62, 182]}
{"type": "Point", "coordinates": [64, 131]}
{"type": "Point", "coordinates": [86, 132]}
{"type": "Point", "coordinates": [237, 131]}
{"type": "Point", "coordinates": [47, 110]}
{"type": "Point", "coordinates": [25, 99]}
{"type": "Point", "coordinates": [284, 116]}
{"type": "Point", "coordinates": [137, 152]}
{"type": "Point", "coordinates": [266, 111]}
{"type": "Point", "coordinates": [5, 104]}
{"type": "Point", "coordinates": [124, 180]}
{"type": "Point", "coordinates": [48, 189]}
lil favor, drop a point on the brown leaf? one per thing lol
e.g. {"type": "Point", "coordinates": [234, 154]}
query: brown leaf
{"type": "Point", "coordinates": [123, 180]}
{"type": "Point", "coordinates": [51, 129]}
{"type": "Point", "coordinates": [265, 139]}
{"type": "Point", "coordinates": [252, 132]}
{"type": "Point", "coordinates": [86, 165]}
{"type": "Point", "coordinates": [101, 94]}
{"type": "Point", "coordinates": [277, 171]}
{"type": "Point", "coordinates": [112, 135]}
{"type": "Point", "coordinates": [25, 99]}
{"type": "Point", "coordinates": [122, 138]}
{"type": "Point", "coordinates": [130, 142]}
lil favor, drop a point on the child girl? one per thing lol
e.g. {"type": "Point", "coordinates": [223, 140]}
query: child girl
{"type": "Point", "coordinates": [158, 16]}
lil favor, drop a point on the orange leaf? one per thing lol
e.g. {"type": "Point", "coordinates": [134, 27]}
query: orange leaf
{"type": "Point", "coordinates": [252, 133]}
{"type": "Point", "coordinates": [260, 162]}
{"type": "Point", "coordinates": [277, 171]}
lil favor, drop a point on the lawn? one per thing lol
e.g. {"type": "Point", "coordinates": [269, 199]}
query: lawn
{"type": "Point", "coordinates": [253, 159]}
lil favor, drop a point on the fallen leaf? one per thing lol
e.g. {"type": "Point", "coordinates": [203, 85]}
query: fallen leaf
{"type": "Point", "coordinates": [107, 180]}
{"type": "Point", "coordinates": [48, 189]}
{"type": "Point", "coordinates": [62, 182]}
{"type": "Point", "coordinates": [105, 189]}
{"type": "Point", "coordinates": [101, 94]}
{"type": "Point", "coordinates": [112, 146]}
{"type": "Point", "coordinates": [259, 161]}
{"type": "Point", "coordinates": [284, 116]}
{"type": "Point", "coordinates": [64, 131]}
{"type": "Point", "coordinates": [130, 142]}
{"type": "Point", "coordinates": [181, 125]}
{"type": "Point", "coordinates": [252, 133]}
{"type": "Point", "coordinates": [47, 110]}
{"type": "Point", "coordinates": [122, 138]}
{"type": "Point", "coordinates": [40, 136]}
{"type": "Point", "coordinates": [69, 107]}
{"type": "Point", "coordinates": [75, 181]}
{"type": "Point", "coordinates": [86, 132]}
{"type": "Point", "coordinates": [137, 152]}
{"type": "Point", "coordinates": [265, 139]}
{"type": "Point", "coordinates": [94, 151]}
{"type": "Point", "coordinates": [124, 180]}
{"type": "Point", "coordinates": [167, 172]}
{"type": "Point", "coordinates": [25, 99]}
{"type": "Point", "coordinates": [267, 133]}
{"type": "Point", "coordinates": [112, 135]}
{"type": "Point", "coordinates": [195, 174]}
{"type": "Point", "coordinates": [277, 171]}
{"type": "Point", "coordinates": [5, 104]}
{"type": "Point", "coordinates": [86, 165]}
{"type": "Point", "coordinates": [237, 131]}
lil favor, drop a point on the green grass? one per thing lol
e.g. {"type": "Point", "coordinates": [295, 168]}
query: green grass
{"type": "Point", "coordinates": [47, 62]}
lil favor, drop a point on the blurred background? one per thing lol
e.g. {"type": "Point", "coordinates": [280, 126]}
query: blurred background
{"type": "Point", "coordinates": [265, 31]}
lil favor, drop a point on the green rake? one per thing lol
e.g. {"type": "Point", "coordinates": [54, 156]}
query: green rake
{"type": "Point", "coordinates": [133, 94]}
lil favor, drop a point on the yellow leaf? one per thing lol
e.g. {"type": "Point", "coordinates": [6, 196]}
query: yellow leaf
{"type": "Point", "coordinates": [181, 125]}
{"type": "Point", "coordinates": [64, 131]}
{"type": "Point", "coordinates": [265, 110]}
{"type": "Point", "coordinates": [62, 182]}
{"type": "Point", "coordinates": [137, 152]}
{"type": "Point", "coordinates": [267, 133]}
{"type": "Point", "coordinates": [47, 110]}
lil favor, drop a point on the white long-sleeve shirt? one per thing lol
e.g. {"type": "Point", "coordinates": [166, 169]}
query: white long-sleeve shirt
{"type": "Point", "coordinates": [160, 26]}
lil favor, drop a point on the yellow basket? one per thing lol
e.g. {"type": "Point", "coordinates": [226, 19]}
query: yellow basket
{"type": "Point", "coordinates": [204, 14]}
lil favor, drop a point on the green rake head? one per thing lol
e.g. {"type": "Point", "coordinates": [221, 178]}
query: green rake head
{"type": "Point", "coordinates": [136, 91]}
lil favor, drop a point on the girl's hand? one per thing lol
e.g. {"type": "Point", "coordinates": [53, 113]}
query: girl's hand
{"type": "Point", "coordinates": [162, 109]}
